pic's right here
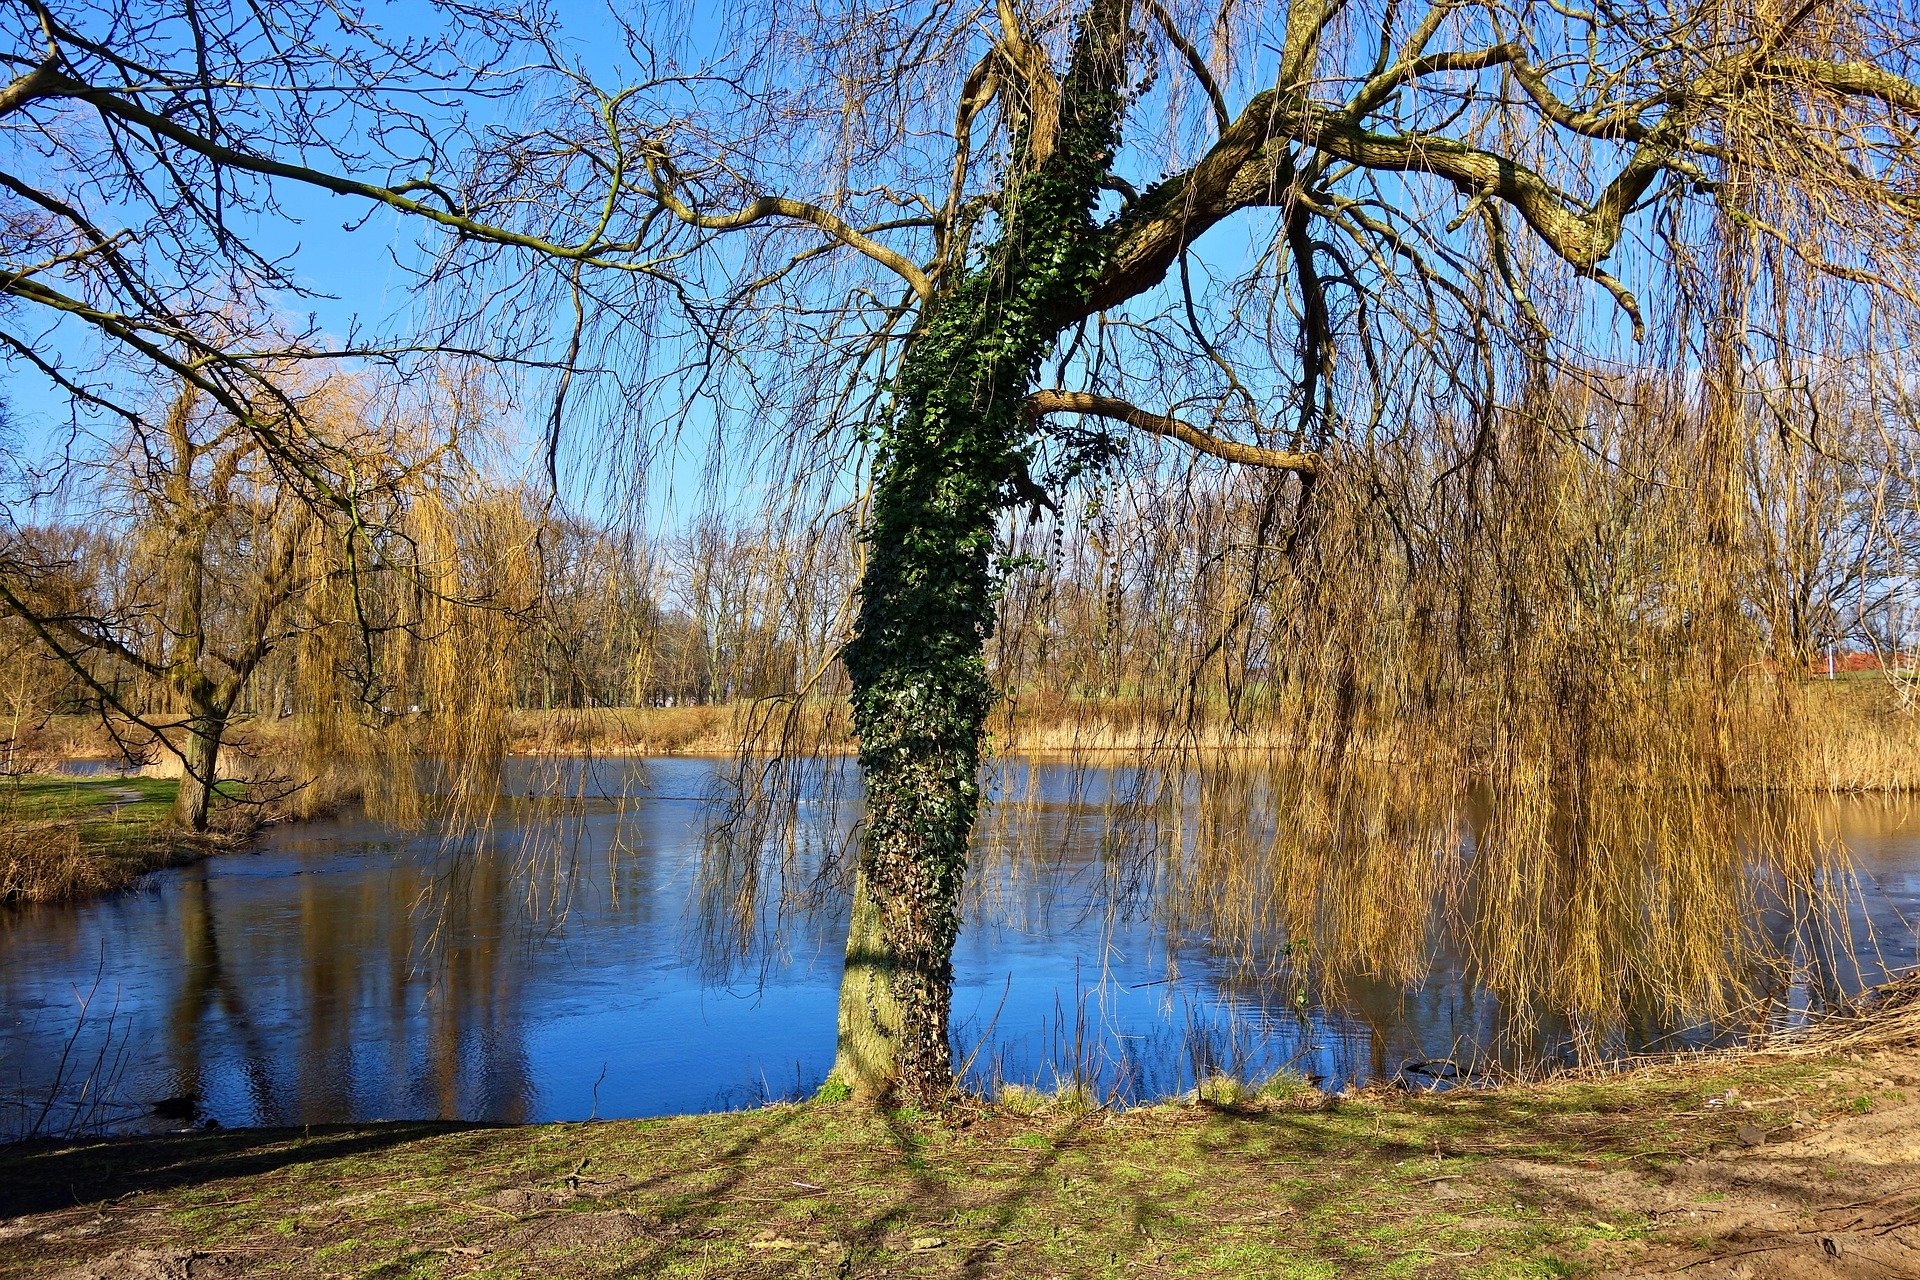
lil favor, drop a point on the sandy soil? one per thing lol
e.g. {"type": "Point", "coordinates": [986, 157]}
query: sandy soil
{"type": "Point", "coordinates": [1832, 1199]}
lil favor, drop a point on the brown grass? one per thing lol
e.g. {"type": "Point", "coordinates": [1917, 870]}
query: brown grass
{"type": "Point", "coordinates": [667, 731]}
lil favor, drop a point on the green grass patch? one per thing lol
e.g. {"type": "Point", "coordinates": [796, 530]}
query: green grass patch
{"type": "Point", "coordinates": [65, 838]}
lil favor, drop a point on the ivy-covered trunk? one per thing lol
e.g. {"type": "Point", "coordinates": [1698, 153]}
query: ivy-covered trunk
{"type": "Point", "coordinates": [956, 441]}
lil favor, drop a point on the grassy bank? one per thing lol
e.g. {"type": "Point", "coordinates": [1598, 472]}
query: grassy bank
{"type": "Point", "coordinates": [1669, 1167]}
{"type": "Point", "coordinates": [68, 838]}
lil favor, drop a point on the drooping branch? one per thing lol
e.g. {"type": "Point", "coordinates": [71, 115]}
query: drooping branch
{"type": "Point", "coordinates": [57, 84]}
{"type": "Point", "coordinates": [1195, 63]}
{"type": "Point", "coordinates": [1247, 455]}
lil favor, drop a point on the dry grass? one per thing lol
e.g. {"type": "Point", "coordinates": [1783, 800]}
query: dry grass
{"type": "Point", "coordinates": [1861, 733]}
{"type": "Point", "coordinates": [667, 731]}
{"type": "Point", "coordinates": [46, 742]}
{"type": "Point", "coordinates": [1883, 1017]}
{"type": "Point", "coordinates": [1854, 734]}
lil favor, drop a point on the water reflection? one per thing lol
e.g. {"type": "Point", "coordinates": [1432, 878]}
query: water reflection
{"type": "Point", "coordinates": [342, 972]}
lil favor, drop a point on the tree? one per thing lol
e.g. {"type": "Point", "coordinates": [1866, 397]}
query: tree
{"type": "Point", "coordinates": [872, 228]}
{"type": "Point", "coordinates": [208, 564]}
{"type": "Point", "coordinates": [148, 153]}
{"type": "Point", "coordinates": [1365, 131]}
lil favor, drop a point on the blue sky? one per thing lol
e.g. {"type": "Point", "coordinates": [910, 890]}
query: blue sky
{"type": "Point", "coordinates": [353, 261]}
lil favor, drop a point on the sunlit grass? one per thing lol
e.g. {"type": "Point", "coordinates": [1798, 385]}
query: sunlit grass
{"type": "Point", "coordinates": [64, 838]}
{"type": "Point", "coordinates": [1462, 1183]}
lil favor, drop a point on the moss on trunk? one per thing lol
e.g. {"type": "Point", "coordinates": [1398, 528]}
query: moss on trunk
{"type": "Point", "coordinates": [866, 1064]}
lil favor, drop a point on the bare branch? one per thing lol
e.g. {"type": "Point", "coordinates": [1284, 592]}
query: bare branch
{"type": "Point", "coordinates": [1247, 455]}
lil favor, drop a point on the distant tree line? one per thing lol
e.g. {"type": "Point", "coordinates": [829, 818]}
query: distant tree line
{"type": "Point", "coordinates": [1149, 589]}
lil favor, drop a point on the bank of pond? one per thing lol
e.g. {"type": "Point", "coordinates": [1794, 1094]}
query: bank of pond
{"type": "Point", "coordinates": [1718, 1166]}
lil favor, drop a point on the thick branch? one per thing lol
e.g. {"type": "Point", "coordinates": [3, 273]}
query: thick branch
{"type": "Point", "coordinates": [41, 82]}
{"type": "Point", "coordinates": [1851, 79]}
{"type": "Point", "coordinates": [1247, 167]}
{"type": "Point", "coordinates": [1243, 171]}
{"type": "Point", "coordinates": [1246, 455]}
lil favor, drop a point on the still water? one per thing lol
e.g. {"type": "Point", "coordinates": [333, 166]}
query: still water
{"type": "Point", "coordinates": [340, 971]}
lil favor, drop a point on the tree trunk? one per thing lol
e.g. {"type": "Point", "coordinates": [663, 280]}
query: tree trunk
{"type": "Point", "coordinates": [946, 471]}
{"type": "Point", "coordinates": [920, 702]}
{"type": "Point", "coordinates": [867, 1062]}
{"type": "Point", "coordinates": [200, 755]}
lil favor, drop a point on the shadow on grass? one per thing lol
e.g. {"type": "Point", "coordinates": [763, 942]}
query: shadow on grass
{"type": "Point", "coordinates": [1221, 1189]}
{"type": "Point", "coordinates": [1024, 1193]}
{"type": "Point", "coordinates": [42, 1177]}
{"type": "Point", "coordinates": [915, 1190]}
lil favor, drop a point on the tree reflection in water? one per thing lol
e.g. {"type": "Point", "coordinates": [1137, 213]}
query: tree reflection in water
{"type": "Point", "coordinates": [1126, 929]}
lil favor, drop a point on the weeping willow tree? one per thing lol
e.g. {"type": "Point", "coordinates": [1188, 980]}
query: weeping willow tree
{"type": "Point", "coordinates": [211, 589]}
{"type": "Point", "coordinates": [1420, 197]}
{"type": "Point", "coordinates": [932, 266]}
{"type": "Point", "coordinates": [1472, 707]}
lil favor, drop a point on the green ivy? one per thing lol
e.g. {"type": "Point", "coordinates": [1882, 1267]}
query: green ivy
{"type": "Point", "coordinates": [943, 475]}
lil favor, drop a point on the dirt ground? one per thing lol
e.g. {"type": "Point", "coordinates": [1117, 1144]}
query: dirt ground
{"type": "Point", "coordinates": [1833, 1199]}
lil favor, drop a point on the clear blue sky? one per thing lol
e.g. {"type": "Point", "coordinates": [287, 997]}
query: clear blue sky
{"type": "Point", "coordinates": [359, 282]}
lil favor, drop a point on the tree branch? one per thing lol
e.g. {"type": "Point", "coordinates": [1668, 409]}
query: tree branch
{"type": "Point", "coordinates": [1248, 167]}
{"type": "Point", "coordinates": [1246, 455]}
{"type": "Point", "coordinates": [799, 211]}
{"type": "Point", "coordinates": [1851, 79]}
{"type": "Point", "coordinates": [1195, 63]}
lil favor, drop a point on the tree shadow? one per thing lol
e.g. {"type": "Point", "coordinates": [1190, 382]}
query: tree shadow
{"type": "Point", "coordinates": [1005, 1207]}
{"type": "Point", "coordinates": [924, 1199]}
{"type": "Point", "coordinates": [44, 1177]}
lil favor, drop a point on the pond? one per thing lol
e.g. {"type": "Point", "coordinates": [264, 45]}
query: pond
{"type": "Point", "coordinates": [341, 971]}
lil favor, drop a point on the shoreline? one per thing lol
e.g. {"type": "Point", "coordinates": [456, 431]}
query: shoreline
{"type": "Point", "coordinates": [66, 839]}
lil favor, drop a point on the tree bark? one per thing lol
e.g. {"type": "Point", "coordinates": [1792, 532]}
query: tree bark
{"type": "Point", "coordinates": [921, 697]}
{"type": "Point", "coordinates": [200, 755]}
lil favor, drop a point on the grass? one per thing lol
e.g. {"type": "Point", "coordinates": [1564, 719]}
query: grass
{"type": "Point", "coordinates": [1289, 1183]}
{"type": "Point", "coordinates": [67, 838]}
